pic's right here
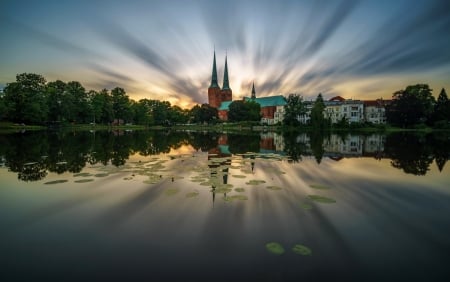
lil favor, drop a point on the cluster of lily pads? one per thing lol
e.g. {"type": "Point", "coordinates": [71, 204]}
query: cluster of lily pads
{"type": "Point", "coordinates": [278, 249]}
{"type": "Point", "coordinates": [317, 198]}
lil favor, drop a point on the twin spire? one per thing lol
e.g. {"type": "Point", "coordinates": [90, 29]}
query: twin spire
{"type": "Point", "coordinates": [214, 82]}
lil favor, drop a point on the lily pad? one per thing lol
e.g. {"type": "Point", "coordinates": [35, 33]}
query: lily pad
{"type": "Point", "coordinates": [56, 182]}
{"type": "Point", "coordinates": [275, 188]}
{"type": "Point", "coordinates": [239, 176]}
{"type": "Point", "coordinates": [82, 174]}
{"type": "Point", "coordinates": [321, 199]}
{"type": "Point", "coordinates": [192, 194]}
{"type": "Point", "coordinates": [306, 206]}
{"type": "Point", "coordinates": [275, 248]}
{"type": "Point", "coordinates": [301, 250]}
{"type": "Point", "coordinates": [318, 186]}
{"type": "Point", "coordinates": [255, 182]}
{"type": "Point", "coordinates": [239, 190]}
{"type": "Point", "coordinates": [101, 174]}
{"type": "Point", "coordinates": [84, 180]}
{"type": "Point", "coordinates": [221, 190]}
{"type": "Point", "coordinates": [171, 191]}
{"type": "Point", "coordinates": [235, 197]}
{"type": "Point", "coordinates": [127, 178]}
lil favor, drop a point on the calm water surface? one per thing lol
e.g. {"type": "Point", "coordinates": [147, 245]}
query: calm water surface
{"type": "Point", "coordinates": [179, 206]}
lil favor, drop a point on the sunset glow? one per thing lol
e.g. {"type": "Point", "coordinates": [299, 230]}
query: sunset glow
{"type": "Point", "coordinates": [163, 49]}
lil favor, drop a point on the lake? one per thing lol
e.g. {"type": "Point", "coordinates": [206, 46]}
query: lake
{"type": "Point", "coordinates": [203, 206]}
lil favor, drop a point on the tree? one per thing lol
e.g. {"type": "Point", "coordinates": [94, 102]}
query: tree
{"type": "Point", "coordinates": [318, 121]}
{"type": "Point", "coordinates": [244, 111]}
{"type": "Point", "coordinates": [57, 102]}
{"type": "Point", "coordinates": [177, 115]}
{"type": "Point", "coordinates": [101, 104]}
{"type": "Point", "coordinates": [25, 99]}
{"type": "Point", "coordinates": [293, 109]}
{"type": "Point", "coordinates": [442, 108]}
{"type": "Point", "coordinates": [203, 113]}
{"type": "Point", "coordinates": [121, 104]}
{"type": "Point", "coordinates": [77, 97]}
{"type": "Point", "coordinates": [411, 106]}
{"type": "Point", "coordinates": [2, 107]}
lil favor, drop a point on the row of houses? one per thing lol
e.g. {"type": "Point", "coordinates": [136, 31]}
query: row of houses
{"type": "Point", "coordinates": [338, 109]}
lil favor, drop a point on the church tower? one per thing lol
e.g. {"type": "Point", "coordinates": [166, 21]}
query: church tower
{"type": "Point", "coordinates": [253, 91]}
{"type": "Point", "coordinates": [214, 93]}
{"type": "Point", "coordinates": [227, 94]}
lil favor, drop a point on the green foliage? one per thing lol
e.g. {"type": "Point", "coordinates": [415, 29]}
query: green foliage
{"type": "Point", "coordinates": [25, 100]}
{"type": "Point", "coordinates": [244, 111]}
{"type": "Point", "coordinates": [203, 113]}
{"type": "Point", "coordinates": [413, 105]}
{"type": "Point", "coordinates": [102, 109]}
{"type": "Point", "coordinates": [293, 109]}
{"type": "Point", "coordinates": [121, 104]}
{"type": "Point", "coordinates": [318, 121]}
{"type": "Point", "coordinates": [441, 114]}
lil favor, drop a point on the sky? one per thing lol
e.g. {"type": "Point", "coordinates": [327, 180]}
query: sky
{"type": "Point", "coordinates": [164, 49]}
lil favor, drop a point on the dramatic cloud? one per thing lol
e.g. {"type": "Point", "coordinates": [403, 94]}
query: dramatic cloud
{"type": "Point", "coordinates": [163, 49]}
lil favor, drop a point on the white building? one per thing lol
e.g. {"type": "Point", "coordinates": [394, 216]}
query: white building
{"type": "Point", "coordinates": [375, 111]}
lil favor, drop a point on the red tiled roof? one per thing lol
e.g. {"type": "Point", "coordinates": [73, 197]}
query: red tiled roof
{"type": "Point", "coordinates": [337, 98]}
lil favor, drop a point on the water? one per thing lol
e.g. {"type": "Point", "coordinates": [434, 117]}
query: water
{"type": "Point", "coordinates": [179, 206]}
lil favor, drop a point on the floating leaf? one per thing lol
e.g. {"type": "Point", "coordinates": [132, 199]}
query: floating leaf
{"type": "Point", "coordinates": [239, 176]}
{"type": "Point", "coordinates": [306, 206]}
{"type": "Point", "coordinates": [84, 180]}
{"type": "Point", "coordinates": [255, 182]}
{"type": "Point", "coordinates": [275, 248]}
{"type": "Point", "coordinates": [83, 174]}
{"type": "Point", "coordinates": [235, 197]}
{"type": "Point", "coordinates": [56, 182]}
{"type": "Point", "coordinates": [101, 174]}
{"type": "Point", "coordinates": [301, 250]}
{"type": "Point", "coordinates": [171, 191]}
{"type": "Point", "coordinates": [321, 199]}
{"type": "Point", "coordinates": [221, 190]}
{"type": "Point", "coordinates": [318, 186]}
{"type": "Point", "coordinates": [192, 194]}
{"type": "Point", "coordinates": [274, 188]}
{"type": "Point", "coordinates": [127, 178]}
{"type": "Point", "coordinates": [240, 190]}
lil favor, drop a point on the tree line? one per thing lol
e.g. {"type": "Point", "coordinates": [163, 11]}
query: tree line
{"type": "Point", "coordinates": [33, 100]}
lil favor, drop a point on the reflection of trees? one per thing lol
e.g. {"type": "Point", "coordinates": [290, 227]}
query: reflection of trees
{"type": "Point", "coordinates": [203, 140]}
{"type": "Point", "coordinates": [316, 141]}
{"type": "Point", "coordinates": [441, 149]}
{"type": "Point", "coordinates": [240, 144]}
{"type": "Point", "coordinates": [409, 152]}
{"type": "Point", "coordinates": [292, 147]}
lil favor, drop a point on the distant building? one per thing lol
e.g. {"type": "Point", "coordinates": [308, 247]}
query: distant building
{"type": "Point", "coordinates": [272, 107]}
{"type": "Point", "coordinates": [375, 111]}
{"type": "Point", "coordinates": [338, 109]}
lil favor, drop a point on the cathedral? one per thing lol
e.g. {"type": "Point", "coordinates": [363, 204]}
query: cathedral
{"type": "Point", "coordinates": [272, 107]}
{"type": "Point", "coordinates": [216, 95]}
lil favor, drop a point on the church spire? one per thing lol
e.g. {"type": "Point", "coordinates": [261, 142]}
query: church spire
{"type": "Point", "coordinates": [226, 83]}
{"type": "Point", "coordinates": [253, 91]}
{"type": "Point", "coordinates": [214, 73]}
